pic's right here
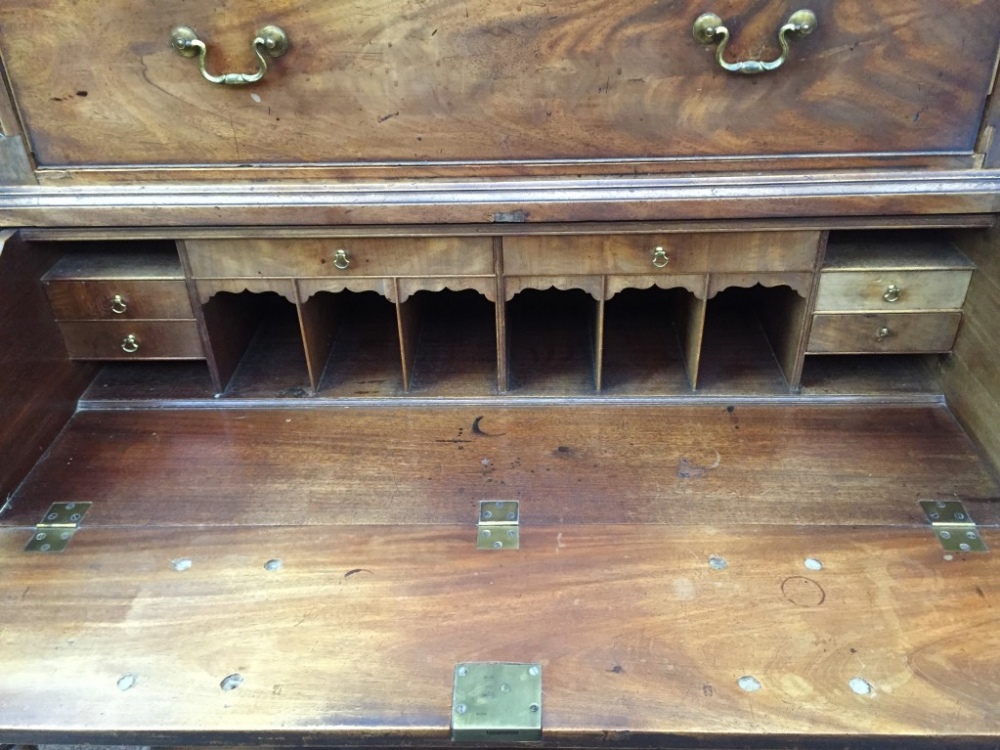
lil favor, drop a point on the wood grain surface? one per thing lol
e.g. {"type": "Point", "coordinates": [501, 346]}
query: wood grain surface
{"type": "Point", "coordinates": [38, 386]}
{"type": "Point", "coordinates": [486, 82]}
{"type": "Point", "coordinates": [355, 638]}
{"type": "Point", "coordinates": [971, 376]}
{"type": "Point", "coordinates": [585, 464]}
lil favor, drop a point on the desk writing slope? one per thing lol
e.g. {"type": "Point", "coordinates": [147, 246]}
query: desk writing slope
{"type": "Point", "coordinates": [718, 556]}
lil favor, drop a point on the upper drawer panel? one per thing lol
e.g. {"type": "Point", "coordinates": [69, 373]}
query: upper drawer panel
{"type": "Point", "coordinates": [487, 83]}
{"type": "Point", "coordinates": [351, 256]}
{"type": "Point", "coordinates": [710, 252]}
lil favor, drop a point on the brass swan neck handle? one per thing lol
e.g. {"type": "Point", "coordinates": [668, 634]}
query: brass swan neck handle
{"type": "Point", "coordinates": [709, 29]}
{"type": "Point", "coordinates": [270, 39]}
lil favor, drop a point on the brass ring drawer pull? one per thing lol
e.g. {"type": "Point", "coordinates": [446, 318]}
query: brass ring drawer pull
{"type": "Point", "coordinates": [660, 258]}
{"type": "Point", "coordinates": [130, 344]}
{"type": "Point", "coordinates": [269, 39]}
{"type": "Point", "coordinates": [708, 29]}
{"type": "Point", "coordinates": [340, 259]}
{"type": "Point", "coordinates": [891, 293]}
{"type": "Point", "coordinates": [118, 305]}
{"type": "Point", "coordinates": [883, 333]}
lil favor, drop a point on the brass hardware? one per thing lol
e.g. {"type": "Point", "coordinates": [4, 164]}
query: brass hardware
{"type": "Point", "coordinates": [497, 703]}
{"type": "Point", "coordinates": [340, 259]}
{"type": "Point", "coordinates": [130, 344]}
{"type": "Point", "coordinates": [660, 259]}
{"type": "Point", "coordinates": [269, 39]}
{"type": "Point", "coordinates": [891, 293]}
{"type": "Point", "coordinates": [498, 524]}
{"type": "Point", "coordinates": [54, 531]}
{"type": "Point", "coordinates": [708, 29]}
{"type": "Point", "coordinates": [953, 527]}
{"type": "Point", "coordinates": [883, 333]}
{"type": "Point", "coordinates": [118, 305]}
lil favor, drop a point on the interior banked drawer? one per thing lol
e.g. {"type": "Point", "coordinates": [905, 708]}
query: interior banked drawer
{"type": "Point", "coordinates": [132, 339]}
{"type": "Point", "coordinates": [119, 299]}
{"type": "Point", "coordinates": [354, 256]}
{"type": "Point", "coordinates": [660, 253]}
{"type": "Point", "coordinates": [869, 333]}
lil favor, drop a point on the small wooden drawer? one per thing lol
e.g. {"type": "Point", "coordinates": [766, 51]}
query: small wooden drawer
{"type": "Point", "coordinates": [150, 339]}
{"type": "Point", "coordinates": [368, 256]}
{"type": "Point", "coordinates": [873, 333]}
{"type": "Point", "coordinates": [894, 272]}
{"type": "Point", "coordinates": [584, 255]}
{"type": "Point", "coordinates": [892, 290]}
{"type": "Point", "coordinates": [126, 299]}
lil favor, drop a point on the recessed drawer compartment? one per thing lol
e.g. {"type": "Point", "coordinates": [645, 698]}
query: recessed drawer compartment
{"type": "Point", "coordinates": [132, 339]}
{"type": "Point", "coordinates": [373, 85]}
{"type": "Point", "coordinates": [127, 299]}
{"type": "Point", "coordinates": [892, 290]}
{"type": "Point", "coordinates": [368, 256]}
{"type": "Point", "coordinates": [873, 333]}
{"type": "Point", "coordinates": [659, 253]}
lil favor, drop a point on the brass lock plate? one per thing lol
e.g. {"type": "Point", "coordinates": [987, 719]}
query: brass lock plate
{"type": "Point", "coordinates": [57, 527]}
{"type": "Point", "coordinates": [497, 703]}
{"type": "Point", "coordinates": [953, 526]}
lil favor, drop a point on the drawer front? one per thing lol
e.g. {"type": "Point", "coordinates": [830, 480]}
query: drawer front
{"type": "Point", "coordinates": [861, 333]}
{"type": "Point", "coordinates": [495, 82]}
{"type": "Point", "coordinates": [659, 253]}
{"type": "Point", "coordinates": [127, 299]}
{"type": "Point", "coordinates": [379, 257]}
{"type": "Point", "coordinates": [153, 339]}
{"type": "Point", "coordinates": [843, 291]}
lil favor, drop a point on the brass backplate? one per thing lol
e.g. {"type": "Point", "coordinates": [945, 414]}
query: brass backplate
{"type": "Point", "coordinates": [953, 527]}
{"type": "Point", "coordinates": [497, 703]}
{"type": "Point", "coordinates": [57, 527]}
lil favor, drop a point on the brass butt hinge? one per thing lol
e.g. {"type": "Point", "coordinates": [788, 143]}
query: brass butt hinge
{"type": "Point", "coordinates": [497, 703]}
{"type": "Point", "coordinates": [498, 524]}
{"type": "Point", "coordinates": [54, 531]}
{"type": "Point", "coordinates": [953, 527]}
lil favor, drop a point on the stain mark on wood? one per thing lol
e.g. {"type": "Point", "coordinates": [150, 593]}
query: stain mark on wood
{"type": "Point", "coordinates": [686, 469]}
{"type": "Point", "coordinates": [477, 430]}
{"type": "Point", "coordinates": [355, 571]}
{"type": "Point", "coordinates": [389, 116]}
{"type": "Point", "coordinates": [708, 691]}
{"type": "Point", "coordinates": [617, 669]}
{"type": "Point", "coordinates": [980, 592]}
{"type": "Point", "coordinates": [803, 592]}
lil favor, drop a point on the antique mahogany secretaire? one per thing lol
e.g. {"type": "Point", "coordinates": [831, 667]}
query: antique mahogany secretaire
{"type": "Point", "coordinates": [432, 372]}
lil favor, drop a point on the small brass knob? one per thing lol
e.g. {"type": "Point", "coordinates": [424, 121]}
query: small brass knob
{"type": "Point", "coordinates": [883, 333]}
{"type": "Point", "coordinates": [118, 305]}
{"type": "Point", "coordinates": [660, 258]}
{"type": "Point", "coordinates": [891, 293]}
{"type": "Point", "coordinates": [130, 344]}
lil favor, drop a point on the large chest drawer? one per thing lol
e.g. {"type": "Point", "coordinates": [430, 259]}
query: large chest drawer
{"type": "Point", "coordinates": [497, 84]}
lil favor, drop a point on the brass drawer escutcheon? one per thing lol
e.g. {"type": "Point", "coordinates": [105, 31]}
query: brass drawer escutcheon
{"type": "Point", "coordinates": [709, 29]}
